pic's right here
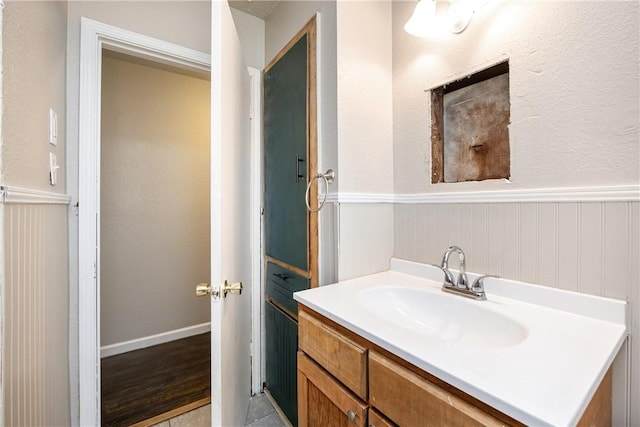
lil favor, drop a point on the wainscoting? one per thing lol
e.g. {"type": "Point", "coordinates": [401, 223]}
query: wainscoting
{"type": "Point", "coordinates": [36, 314]}
{"type": "Point", "coordinates": [589, 247]}
{"type": "Point", "coordinates": [584, 247]}
{"type": "Point", "coordinates": [578, 239]}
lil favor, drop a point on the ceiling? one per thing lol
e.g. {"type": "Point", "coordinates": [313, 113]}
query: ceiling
{"type": "Point", "coordinates": [259, 8]}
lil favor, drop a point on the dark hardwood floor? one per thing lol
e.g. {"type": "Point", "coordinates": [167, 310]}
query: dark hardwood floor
{"type": "Point", "coordinates": [145, 383]}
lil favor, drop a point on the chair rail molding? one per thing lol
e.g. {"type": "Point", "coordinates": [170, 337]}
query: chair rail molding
{"type": "Point", "coordinates": [11, 195]}
{"type": "Point", "coordinates": [623, 193]}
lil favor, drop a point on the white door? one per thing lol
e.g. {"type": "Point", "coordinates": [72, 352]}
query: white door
{"type": "Point", "coordinates": [230, 222]}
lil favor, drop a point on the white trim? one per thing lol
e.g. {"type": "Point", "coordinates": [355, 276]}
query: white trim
{"type": "Point", "coordinates": [623, 193]}
{"type": "Point", "coordinates": [94, 37]}
{"type": "Point", "coordinates": [148, 341]}
{"type": "Point", "coordinates": [257, 289]}
{"type": "Point", "coordinates": [11, 195]}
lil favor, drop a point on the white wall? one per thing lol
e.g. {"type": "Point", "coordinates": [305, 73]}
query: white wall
{"type": "Point", "coordinates": [184, 23]}
{"type": "Point", "coordinates": [154, 218]}
{"type": "Point", "coordinates": [365, 132]}
{"type": "Point", "coordinates": [574, 123]}
{"type": "Point", "coordinates": [573, 82]}
{"type": "Point", "coordinates": [34, 287]}
{"type": "Point", "coordinates": [251, 33]}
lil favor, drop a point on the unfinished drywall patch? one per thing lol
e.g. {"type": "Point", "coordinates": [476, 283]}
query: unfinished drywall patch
{"type": "Point", "coordinates": [469, 120]}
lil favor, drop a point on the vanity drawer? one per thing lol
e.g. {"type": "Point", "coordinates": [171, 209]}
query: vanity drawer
{"type": "Point", "coordinates": [410, 400]}
{"type": "Point", "coordinates": [340, 356]}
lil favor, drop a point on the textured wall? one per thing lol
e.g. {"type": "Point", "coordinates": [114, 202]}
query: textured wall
{"type": "Point", "coordinates": [154, 217]}
{"type": "Point", "coordinates": [34, 270]}
{"type": "Point", "coordinates": [365, 135]}
{"type": "Point", "coordinates": [34, 46]}
{"type": "Point", "coordinates": [574, 118]}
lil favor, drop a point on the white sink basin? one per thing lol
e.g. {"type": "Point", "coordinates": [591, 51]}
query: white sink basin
{"type": "Point", "coordinates": [448, 320]}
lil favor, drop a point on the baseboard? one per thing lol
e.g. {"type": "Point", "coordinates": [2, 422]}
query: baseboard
{"type": "Point", "coordinates": [138, 343]}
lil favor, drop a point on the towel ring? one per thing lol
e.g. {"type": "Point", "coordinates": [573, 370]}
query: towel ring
{"type": "Point", "coordinates": [328, 178]}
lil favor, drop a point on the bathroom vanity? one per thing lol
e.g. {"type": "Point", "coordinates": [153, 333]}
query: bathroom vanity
{"type": "Point", "coordinates": [393, 349]}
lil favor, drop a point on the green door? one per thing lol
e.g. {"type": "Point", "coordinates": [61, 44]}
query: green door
{"type": "Point", "coordinates": [285, 157]}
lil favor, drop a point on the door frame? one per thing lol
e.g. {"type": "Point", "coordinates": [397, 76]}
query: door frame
{"type": "Point", "coordinates": [96, 36]}
{"type": "Point", "coordinates": [257, 279]}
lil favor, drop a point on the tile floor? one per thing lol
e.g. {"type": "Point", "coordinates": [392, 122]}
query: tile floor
{"type": "Point", "coordinates": [261, 414]}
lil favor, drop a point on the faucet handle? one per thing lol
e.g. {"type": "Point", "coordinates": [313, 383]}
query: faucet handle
{"type": "Point", "coordinates": [448, 277]}
{"type": "Point", "coordinates": [478, 284]}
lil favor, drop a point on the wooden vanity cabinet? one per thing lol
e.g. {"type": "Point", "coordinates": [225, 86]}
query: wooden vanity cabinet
{"type": "Point", "coordinates": [345, 380]}
{"type": "Point", "coordinates": [378, 420]}
{"type": "Point", "coordinates": [325, 402]}
{"type": "Point", "coordinates": [411, 400]}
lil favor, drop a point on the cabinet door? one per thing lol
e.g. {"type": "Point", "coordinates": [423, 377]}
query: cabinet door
{"type": "Point", "coordinates": [281, 373]}
{"type": "Point", "coordinates": [323, 401]}
{"type": "Point", "coordinates": [285, 157]}
{"type": "Point", "coordinates": [412, 401]}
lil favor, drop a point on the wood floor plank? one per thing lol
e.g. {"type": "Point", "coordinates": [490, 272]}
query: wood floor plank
{"type": "Point", "coordinates": [146, 383]}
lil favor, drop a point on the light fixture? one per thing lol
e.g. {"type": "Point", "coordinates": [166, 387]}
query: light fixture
{"type": "Point", "coordinates": [420, 22]}
{"type": "Point", "coordinates": [458, 16]}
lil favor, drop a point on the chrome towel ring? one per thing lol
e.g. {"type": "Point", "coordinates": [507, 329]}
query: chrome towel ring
{"type": "Point", "coordinates": [328, 178]}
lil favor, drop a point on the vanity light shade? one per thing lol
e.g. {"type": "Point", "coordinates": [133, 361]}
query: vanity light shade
{"type": "Point", "coordinates": [460, 13]}
{"type": "Point", "coordinates": [420, 22]}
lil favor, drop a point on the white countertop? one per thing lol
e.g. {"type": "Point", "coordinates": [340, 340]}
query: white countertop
{"type": "Point", "coordinates": [547, 379]}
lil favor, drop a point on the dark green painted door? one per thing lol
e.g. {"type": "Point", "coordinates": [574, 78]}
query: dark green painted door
{"type": "Point", "coordinates": [281, 364]}
{"type": "Point", "coordinates": [285, 157]}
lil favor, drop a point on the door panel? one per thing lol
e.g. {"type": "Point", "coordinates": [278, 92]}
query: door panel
{"type": "Point", "coordinates": [230, 255]}
{"type": "Point", "coordinates": [285, 154]}
{"type": "Point", "coordinates": [281, 346]}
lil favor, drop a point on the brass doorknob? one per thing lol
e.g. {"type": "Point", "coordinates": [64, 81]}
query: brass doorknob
{"type": "Point", "coordinates": [233, 288]}
{"type": "Point", "coordinates": [203, 289]}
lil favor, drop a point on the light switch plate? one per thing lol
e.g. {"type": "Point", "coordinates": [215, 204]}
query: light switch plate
{"type": "Point", "coordinates": [53, 127]}
{"type": "Point", "coordinates": [53, 169]}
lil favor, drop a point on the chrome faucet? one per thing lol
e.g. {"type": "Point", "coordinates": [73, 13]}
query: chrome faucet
{"type": "Point", "coordinates": [461, 285]}
{"type": "Point", "coordinates": [462, 282]}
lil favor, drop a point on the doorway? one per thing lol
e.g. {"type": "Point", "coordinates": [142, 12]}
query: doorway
{"type": "Point", "coordinates": [97, 37]}
{"type": "Point", "coordinates": [154, 228]}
